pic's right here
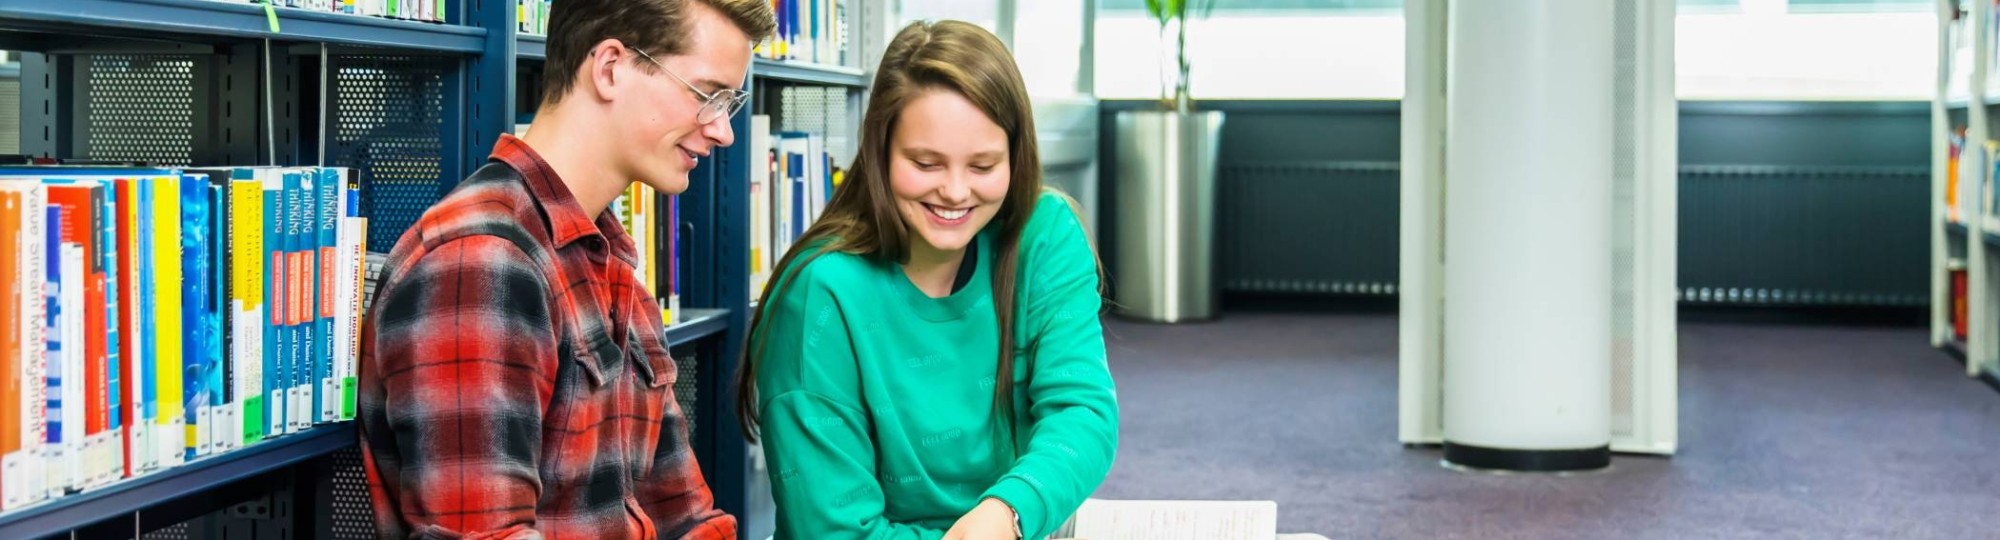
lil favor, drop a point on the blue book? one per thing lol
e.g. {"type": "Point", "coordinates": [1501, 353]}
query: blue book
{"type": "Point", "coordinates": [325, 394]}
{"type": "Point", "coordinates": [196, 359]}
{"type": "Point", "coordinates": [298, 298]}
{"type": "Point", "coordinates": [149, 385]}
{"type": "Point", "coordinates": [107, 257]}
{"type": "Point", "coordinates": [220, 388]}
{"type": "Point", "coordinates": [54, 340]}
{"type": "Point", "coordinates": [274, 306]}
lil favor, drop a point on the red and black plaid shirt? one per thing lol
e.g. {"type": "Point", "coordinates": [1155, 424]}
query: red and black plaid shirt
{"type": "Point", "coordinates": [515, 381]}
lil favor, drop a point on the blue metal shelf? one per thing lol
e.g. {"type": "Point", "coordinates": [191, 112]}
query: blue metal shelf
{"type": "Point", "coordinates": [697, 324]}
{"type": "Point", "coordinates": [799, 72]}
{"type": "Point", "coordinates": [531, 47]}
{"type": "Point", "coordinates": [120, 499]}
{"type": "Point", "coordinates": [1954, 227]}
{"type": "Point", "coordinates": [157, 19]}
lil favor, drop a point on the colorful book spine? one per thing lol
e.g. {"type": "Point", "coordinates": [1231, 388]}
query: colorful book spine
{"type": "Point", "coordinates": [168, 304]}
{"type": "Point", "coordinates": [13, 470]}
{"type": "Point", "coordinates": [326, 393]}
{"type": "Point", "coordinates": [34, 342]}
{"type": "Point", "coordinates": [249, 298]}
{"type": "Point", "coordinates": [221, 379]}
{"type": "Point", "coordinates": [54, 358]}
{"type": "Point", "coordinates": [134, 312]}
{"type": "Point", "coordinates": [274, 302]}
{"type": "Point", "coordinates": [75, 403]}
{"type": "Point", "coordinates": [298, 299]}
{"type": "Point", "coordinates": [108, 325]}
{"type": "Point", "coordinates": [196, 360]}
{"type": "Point", "coordinates": [357, 261]}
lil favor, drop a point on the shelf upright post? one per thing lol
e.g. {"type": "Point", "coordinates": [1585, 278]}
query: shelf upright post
{"type": "Point", "coordinates": [48, 83]}
{"type": "Point", "coordinates": [484, 92]}
{"type": "Point", "coordinates": [718, 261]}
{"type": "Point", "coordinates": [1940, 165]}
{"type": "Point", "coordinates": [1979, 340]}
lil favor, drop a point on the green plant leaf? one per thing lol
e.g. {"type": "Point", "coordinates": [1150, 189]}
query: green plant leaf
{"type": "Point", "coordinates": [1158, 9]}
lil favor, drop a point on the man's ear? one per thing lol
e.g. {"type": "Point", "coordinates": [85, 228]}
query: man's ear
{"type": "Point", "coordinates": [600, 66]}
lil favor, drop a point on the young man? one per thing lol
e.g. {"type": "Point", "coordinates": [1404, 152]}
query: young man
{"type": "Point", "coordinates": [515, 382]}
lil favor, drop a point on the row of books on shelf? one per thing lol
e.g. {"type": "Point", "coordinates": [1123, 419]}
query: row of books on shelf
{"type": "Point", "coordinates": [792, 177]}
{"type": "Point", "coordinates": [654, 223]}
{"type": "Point", "coordinates": [1982, 165]}
{"type": "Point", "coordinates": [154, 316]}
{"type": "Point", "coordinates": [532, 16]}
{"type": "Point", "coordinates": [410, 10]}
{"type": "Point", "coordinates": [812, 31]}
{"type": "Point", "coordinates": [808, 30]}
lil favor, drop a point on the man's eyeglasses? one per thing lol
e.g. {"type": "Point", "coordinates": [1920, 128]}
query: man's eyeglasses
{"type": "Point", "coordinates": [722, 104]}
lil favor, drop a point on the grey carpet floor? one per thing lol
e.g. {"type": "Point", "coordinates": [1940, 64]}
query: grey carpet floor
{"type": "Point", "coordinates": [1786, 432]}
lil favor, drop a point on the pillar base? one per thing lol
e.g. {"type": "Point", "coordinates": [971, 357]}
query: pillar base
{"type": "Point", "coordinates": [1480, 457]}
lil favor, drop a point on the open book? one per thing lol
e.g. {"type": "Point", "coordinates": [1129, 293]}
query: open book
{"type": "Point", "coordinates": [1100, 519]}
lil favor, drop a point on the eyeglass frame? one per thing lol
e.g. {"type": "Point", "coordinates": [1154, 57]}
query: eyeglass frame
{"type": "Point", "coordinates": [735, 98]}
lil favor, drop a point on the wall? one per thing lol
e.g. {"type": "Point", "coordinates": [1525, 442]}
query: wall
{"type": "Point", "coordinates": [1782, 203]}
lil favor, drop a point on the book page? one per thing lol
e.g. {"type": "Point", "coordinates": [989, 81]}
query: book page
{"type": "Point", "coordinates": [1101, 519]}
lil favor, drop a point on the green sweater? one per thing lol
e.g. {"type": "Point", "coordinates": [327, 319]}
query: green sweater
{"type": "Point", "coordinates": [877, 399]}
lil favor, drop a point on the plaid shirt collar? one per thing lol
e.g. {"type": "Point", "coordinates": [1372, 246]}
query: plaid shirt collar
{"type": "Point", "coordinates": [567, 222]}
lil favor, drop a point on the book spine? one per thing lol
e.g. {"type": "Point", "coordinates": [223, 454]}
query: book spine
{"type": "Point", "coordinates": [166, 263]}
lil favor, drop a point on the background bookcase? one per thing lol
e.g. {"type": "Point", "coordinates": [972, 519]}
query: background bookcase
{"type": "Point", "coordinates": [414, 107]}
{"type": "Point", "coordinates": [1965, 231]}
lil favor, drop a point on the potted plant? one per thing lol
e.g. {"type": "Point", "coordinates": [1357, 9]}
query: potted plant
{"type": "Point", "coordinates": [1173, 17]}
{"type": "Point", "coordinates": [1165, 183]}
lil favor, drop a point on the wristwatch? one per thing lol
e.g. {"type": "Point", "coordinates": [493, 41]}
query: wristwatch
{"type": "Point", "coordinates": [1012, 512]}
{"type": "Point", "coordinates": [1017, 520]}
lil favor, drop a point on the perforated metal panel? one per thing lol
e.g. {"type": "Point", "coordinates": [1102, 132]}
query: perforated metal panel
{"type": "Point", "coordinates": [820, 110]}
{"type": "Point", "coordinates": [684, 387]}
{"type": "Point", "coordinates": [353, 518]}
{"type": "Point", "coordinates": [10, 115]}
{"type": "Point", "coordinates": [140, 108]}
{"type": "Point", "coordinates": [178, 531]}
{"type": "Point", "coordinates": [388, 123]}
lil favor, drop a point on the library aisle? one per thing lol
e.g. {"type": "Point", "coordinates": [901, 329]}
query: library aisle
{"type": "Point", "coordinates": [1789, 431]}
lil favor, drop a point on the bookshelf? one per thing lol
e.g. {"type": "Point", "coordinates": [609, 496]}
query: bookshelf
{"type": "Point", "coordinates": [1965, 234]}
{"type": "Point", "coordinates": [125, 497]}
{"type": "Point", "coordinates": [211, 20]}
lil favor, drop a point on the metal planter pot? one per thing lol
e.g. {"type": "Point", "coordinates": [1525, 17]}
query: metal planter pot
{"type": "Point", "coordinates": [1165, 243]}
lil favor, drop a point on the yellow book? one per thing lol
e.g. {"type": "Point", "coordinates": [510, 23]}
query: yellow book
{"type": "Point", "coordinates": [246, 296]}
{"type": "Point", "coordinates": [166, 261]}
{"type": "Point", "coordinates": [649, 251]}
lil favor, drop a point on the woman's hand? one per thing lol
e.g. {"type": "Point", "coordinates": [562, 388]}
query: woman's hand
{"type": "Point", "coordinates": [991, 520]}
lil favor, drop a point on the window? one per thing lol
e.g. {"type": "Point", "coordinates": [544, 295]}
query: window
{"type": "Point", "coordinates": [1806, 49]}
{"type": "Point", "coordinates": [1260, 49]}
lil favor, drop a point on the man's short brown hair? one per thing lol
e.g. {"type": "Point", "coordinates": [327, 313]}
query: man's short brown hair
{"type": "Point", "coordinates": [658, 27]}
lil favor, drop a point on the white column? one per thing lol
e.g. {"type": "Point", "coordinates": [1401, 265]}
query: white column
{"type": "Point", "coordinates": [1527, 283]}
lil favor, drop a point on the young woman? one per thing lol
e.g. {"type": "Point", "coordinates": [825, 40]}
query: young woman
{"type": "Point", "coordinates": [929, 362]}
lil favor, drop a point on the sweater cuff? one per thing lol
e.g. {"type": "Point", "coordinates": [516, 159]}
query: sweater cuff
{"type": "Point", "coordinates": [1027, 502]}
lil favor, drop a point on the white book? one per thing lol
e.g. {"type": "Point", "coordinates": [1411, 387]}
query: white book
{"type": "Point", "coordinates": [34, 322]}
{"type": "Point", "coordinates": [761, 256]}
{"type": "Point", "coordinates": [74, 381]}
{"type": "Point", "coordinates": [1100, 519]}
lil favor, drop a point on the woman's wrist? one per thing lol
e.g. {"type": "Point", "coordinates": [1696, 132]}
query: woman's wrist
{"type": "Point", "coordinates": [1013, 515]}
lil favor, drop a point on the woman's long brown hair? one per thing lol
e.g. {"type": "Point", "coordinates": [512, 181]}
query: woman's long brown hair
{"type": "Point", "coordinates": [861, 218]}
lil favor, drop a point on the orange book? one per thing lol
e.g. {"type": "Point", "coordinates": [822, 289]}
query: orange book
{"type": "Point", "coordinates": [128, 326]}
{"type": "Point", "coordinates": [10, 339]}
